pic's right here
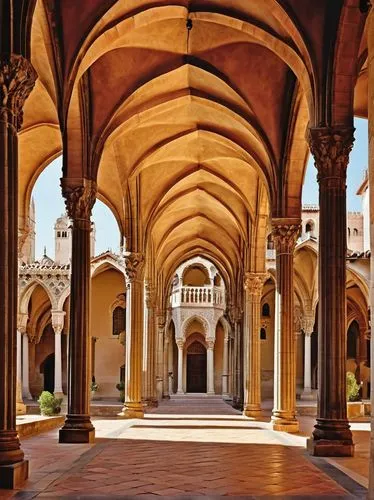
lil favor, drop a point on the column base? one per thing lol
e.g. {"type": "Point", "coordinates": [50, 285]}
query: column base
{"type": "Point", "coordinates": [59, 395]}
{"type": "Point", "coordinates": [20, 409]}
{"type": "Point", "coordinates": [180, 392]}
{"type": "Point", "coordinates": [132, 410]}
{"type": "Point", "coordinates": [77, 429]}
{"type": "Point", "coordinates": [151, 403]}
{"type": "Point", "coordinates": [226, 396]}
{"type": "Point", "coordinates": [13, 476]}
{"type": "Point", "coordinates": [308, 395]}
{"type": "Point", "coordinates": [285, 423]}
{"type": "Point", "coordinates": [252, 411]}
{"type": "Point", "coordinates": [211, 393]}
{"type": "Point", "coordinates": [331, 438]}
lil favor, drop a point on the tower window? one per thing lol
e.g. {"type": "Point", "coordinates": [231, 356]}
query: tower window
{"type": "Point", "coordinates": [263, 334]}
{"type": "Point", "coordinates": [266, 310]}
{"type": "Point", "coordinates": [119, 320]}
{"type": "Point", "coordinates": [58, 234]}
{"type": "Point", "coordinates": [355, 232]}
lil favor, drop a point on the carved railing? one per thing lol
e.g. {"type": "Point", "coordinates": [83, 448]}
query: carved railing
{"type": "Point", "coordinates": [198, 296]}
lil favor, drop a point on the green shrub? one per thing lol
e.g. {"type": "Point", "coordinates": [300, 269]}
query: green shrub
{"type": "Point", "coordinates": [121, 388]}
{"type": "Point", "coordinates": [353, 387]}
{"type": "Point", "coordinates": [49, 405]}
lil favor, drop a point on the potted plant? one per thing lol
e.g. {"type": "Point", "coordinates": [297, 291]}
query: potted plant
{"type": "Point", "coordinates": [354, 405]}
{"type": "Point", "coordinates": [121, 388]}
{"type": "Point", "coordinates": [49, 405]}
{"type": "Point", "coordinates": [94, 388]}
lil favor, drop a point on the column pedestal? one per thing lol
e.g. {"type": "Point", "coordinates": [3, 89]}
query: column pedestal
{"type": "Point", "coordinates": [285, 233]}
{"type": "Point", "coordinates": [332, 435]}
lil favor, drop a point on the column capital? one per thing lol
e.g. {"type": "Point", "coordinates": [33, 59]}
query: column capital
{"type": "Point", "coordinates": [80, 197]}
{"type": "Point", "coordinates": [180, 343]}
{"type": "Point", "coordinates": [254, 282]}
{"type": "Point", "coordinates": [161, 319]}
{"type": "Point", "coordinates": [149, 294]}
{"type": "Point", "coordinates": [285, 232]}
{"type": "Point", "coordinates": [58, 318]}
{"type": "Point", "coordinates": [22, 319]}
{"type": "Point", "coordinates": [307, 325]}
{"type": "Point", "coordinates": [134, 266]}
{"type": "Point", "coordinates": [234, 314]}
{"type": "Point", "coordinates": [330, 148]}
{"type": "Point", "coordinates": [210, 343]}
{"type": "Point", "coordinates": [17, 79]}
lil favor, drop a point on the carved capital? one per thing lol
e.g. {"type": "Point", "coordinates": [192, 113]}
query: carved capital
{"type": "Point", "coordinates": [210, 343]}
{"type": "Point", "coordinates": [330, 148]}
{"type": "Point", "coordinates": [180, 343]}
{"type": "Point", "coordinates": [307, 325]}
{"type": "Point", "coordinates": [234, 314]}
{"type": "Point", "coordinates": [58, 319]}
{"type": "Point", "coordinates": [134, 266]}
{"type": "Point", "coordinates": [254, 282]}
{"type": "Point", "coordinates": [285, 233]}
{"type": "Point", "coordinates": [80, 197]}
{"type": "Point", "coordinates": [149, 291]}
{"type": "Point", "coordinates": [17, 79]}
{"type": "Point", "coordinates": [22, 319]}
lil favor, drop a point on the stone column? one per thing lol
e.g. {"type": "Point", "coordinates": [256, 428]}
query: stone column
{"type": "Point", "coordinates": [166, 366]}
{"type": "Point", "coordinates": [22, 323]}
{"type": "Point", "coordinates": [134, 270]}
{"type": "Point", "coordinates": [332, 435]}
{"type": "Point", "coordinates": [285, 233]}
{"type": "Point", "coordinates": [210, 366]}
{"type": "Point", "coordinates": [161, 321]}
{"type": "Point", "coordinates": [25, 367]}
{"type": "Point", "coordinates": [225, 371]}
{"type": "Point", "coordinates": [58, 326]}
{"type": "Point", "coordinates": [170, 368]}
{"type": "Point", "coordinates": [149, 365]}
{"type": "Point", "coordinates": [253, 284]}
{"type": "Point", "coordinates": [17, 79]}
{"type": "Point", "coordinates": [308, 326]}
{"type": "Point", "coordinates": [180, 344]}
{"type": "Point", "coordinates": [370, 32]}
{"type": "Point", "coordinates": [80, 196]}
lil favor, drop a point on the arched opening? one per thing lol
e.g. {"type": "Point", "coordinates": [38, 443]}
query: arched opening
{"type": "Point", "coordinates": [263, 334]}
{"type": "Point", "coordinates": [309, 227]}
{"type": "Point", "coordinates": [196, 367]}
{"type": "Point", "coordinates": [266, 310]}
{"type": "Point", "coordinates": [352, 337]}
{"type": "Point", "coordinates": [47, 369]}
{"type": "Point", "coordinates": [118, 320]}
{"type": "Point", "coordinates": [196, 276]}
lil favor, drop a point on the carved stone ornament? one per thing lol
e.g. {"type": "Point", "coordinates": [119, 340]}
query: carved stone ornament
{"type": "Point", "coordinates": [79, 198]}
{"type": "Point", "coordinates": [285, 233]}
{"type": "Point", "coordinates": [254, 282]}
{"type": "Point", "coordinates": [134, 265]}
{"type": "Point", "coordinates": [17, 79]}
{"type": "Point", "coordinates": [149, 290]}
{"type": "Point", "coordinates": [210, 343]}
{"type": "Point", "coordinates": [330, 148]}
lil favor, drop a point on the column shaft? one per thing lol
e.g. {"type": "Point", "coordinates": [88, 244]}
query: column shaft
{"type": "Point", "coordinates": [307, 392]}
{"type": "Point", "coordinates": [253, 284]}
{"type": "Point", "coordinates": [180, 367]}
{"type": "Point", "coordinates": [370, 32]}
{"type": "Point", "coordinates": [133, 407]}
{"type": "Point", "coordinates": [58, 366]}
{"type": "Point", "coordinates": [332, 435]}
{"type": "Point", "coordinates": [225, 374]}
{"type": "Point", "coordinates": [210, 367]}
{"type": "Point", "coordinates": [166, 368]}
{"type": "Point", "coordinates": [17, 80]}
{"type": "Point", "coordinates": [20, 406]}
{"type": "Point", "coordinates": [25, 367]}
{"type": "Point", "coordinates": [170, 369]}
{"type": "Point", "coordinates": [285, 232]}
{"type": "Point", "coordinates": [79, 199]}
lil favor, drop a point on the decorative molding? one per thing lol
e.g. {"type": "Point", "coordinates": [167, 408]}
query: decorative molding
{"type": "Point", "coordinates": [80, 197]}
{"type": "Point", "coordinates": [330, 148]}
{"type": "Point", "coordinates": [285, 233]}
{"type": "Point", "coordinates": [17, 79]}
{"type": "Point", "coordinates": [134, 266]}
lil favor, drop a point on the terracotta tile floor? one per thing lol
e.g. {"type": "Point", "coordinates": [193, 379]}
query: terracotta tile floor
{"type": "Point", "coordinates": [178, 455]}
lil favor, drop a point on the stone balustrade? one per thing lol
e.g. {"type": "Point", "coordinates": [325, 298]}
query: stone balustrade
{"type": "Point", "coordinates": [198, 296]}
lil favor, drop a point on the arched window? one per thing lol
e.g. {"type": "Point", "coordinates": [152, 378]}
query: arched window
{"type": "Point", "coordinates": [119, 320]}
{"type": "Point", "coordinates": [58, 234]}
{"type": "Point", "coordinates": [266, 310]}
{"type": "Point", "coordinates": [355, 232]}
{"type": "Point", "coordinates": [263, 334]}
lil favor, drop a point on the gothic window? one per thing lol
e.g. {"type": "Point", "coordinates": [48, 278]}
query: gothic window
{"type": "Point", "coordinates": [266, 310]}
{"type": "Point", "coordinates": [263, 334]}
{"type": "Point", "coordinates": [119, 320]}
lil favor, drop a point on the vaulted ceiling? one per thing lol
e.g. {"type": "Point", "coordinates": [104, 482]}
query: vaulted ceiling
{"type": "Point", "coordinates": [191, 115]}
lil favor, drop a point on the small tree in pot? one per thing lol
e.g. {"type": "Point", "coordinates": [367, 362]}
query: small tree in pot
{"type": "Point", "coordinates": [49, 405]}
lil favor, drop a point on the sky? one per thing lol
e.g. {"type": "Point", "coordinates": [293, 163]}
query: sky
{"type": "Point", "coordinates": [49, 203]}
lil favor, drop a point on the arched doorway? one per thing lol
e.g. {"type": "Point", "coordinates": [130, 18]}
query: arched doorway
{"type": "Point", "coordinates": [48, 370]}
{"type": "Point", "coordinates": [196, 367]}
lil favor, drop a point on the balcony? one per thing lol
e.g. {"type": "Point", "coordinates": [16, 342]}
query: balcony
{"type": "Point", "coordinates": [198, 296]}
